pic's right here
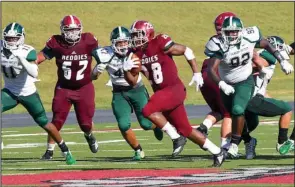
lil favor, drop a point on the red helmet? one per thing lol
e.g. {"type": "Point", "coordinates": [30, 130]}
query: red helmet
{"type": "Point", "coordinates": [141, 33]}
{"type": "Point", "coordinates": [219, 20]}
{"type": "Point", "coordinates": [71, 29]}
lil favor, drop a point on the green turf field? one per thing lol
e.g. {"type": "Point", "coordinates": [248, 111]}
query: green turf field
{"type": "Point", "coordinates": [24, 146]}
{"type": "Point", "coordinates": [188, 23]}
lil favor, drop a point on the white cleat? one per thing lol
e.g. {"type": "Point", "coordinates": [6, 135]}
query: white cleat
{"type": "Point", "coordinates": [233, 151]}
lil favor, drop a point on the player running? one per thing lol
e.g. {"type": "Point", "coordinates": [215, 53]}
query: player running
{"type": "Point", "coordinates": [20, 74]}
{"type": "Point", "coordinates": [126, 97]}
{"type": "Point", "coordinates": [72, 51]}
{"type": "Point", "coordinates": [166, 106]}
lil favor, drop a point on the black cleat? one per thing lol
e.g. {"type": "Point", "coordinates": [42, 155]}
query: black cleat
{"type": "Point", "coordinates": [93, 145]}
{"type": "Point", "coordinates": [48, 155]}
{"type": "Point", "coordinates": [178, 145]}
{"type": "Point", "coordinates": [219, 158]}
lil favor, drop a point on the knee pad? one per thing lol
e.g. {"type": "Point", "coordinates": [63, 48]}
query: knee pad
{"type": "Point", "coordinates": [86, 127]}
{"type": "Point", "coordinates": [41, 120]}
{"type": "Point", "coordinates": [237, 110]}
{"type": "Point", "coordinates": [124, 127]}
{"type": "Point", "coordinates": [145, 124]}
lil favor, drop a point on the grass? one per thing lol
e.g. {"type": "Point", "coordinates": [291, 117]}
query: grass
{"type": "Point", "coordinates": [188, 23]}
{"type": "Point", "coordinates": [117, 155]}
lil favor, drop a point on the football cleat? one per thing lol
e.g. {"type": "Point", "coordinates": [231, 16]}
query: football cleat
{"type": "Point", "coordinates": [233, 151]}
{"type": "Point", "coordinates": [219, 158]}
{"type": "Point", "coordinates": [250, 149]}
{"type": "Point", "coordinates": [158, 133]}
{"type": "Point", "coordinates": [48, 155]}
{"type": "Point", "coordinates": [70, 160]}
{"type": "Point", "coordinates": [285, 147]}
{"type": "Point", "coordinates": [93, 145]}
{"type": "Point", "coordinates": [138, 155]}
{"type": "Point", "coordinates": [178, 145]}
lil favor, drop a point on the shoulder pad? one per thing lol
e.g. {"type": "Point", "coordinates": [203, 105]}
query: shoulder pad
{"type": "Point", "coordinates": [252, 34]}
{"type": "Point", "coordinates": [1, 45]}
{"type": "Point", "coordinates": [26, 49]}
{"type": "Point", "coordinates": [104, 54]}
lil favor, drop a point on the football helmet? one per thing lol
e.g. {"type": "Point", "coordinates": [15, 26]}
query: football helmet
{"type": "Point", "coordinates": [231, 31]}
{"type": "Point", "coordinates": [71, 29]}
{"type": "Point", "coordinates": [13, 36]}
{"type": "Point", "coordinates": [279, 44]}
{"type": "Point", "coordinates": [141, 33]}
{"type": "Point", "coordinates": [121, 40]}
{"type": "Point", "coordinates": [219, 20]}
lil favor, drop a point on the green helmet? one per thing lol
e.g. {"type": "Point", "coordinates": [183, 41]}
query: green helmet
{"type": "Point", "coordinates": [13, 36]}
{"type": "Point", "coordinates": [279, 44]}
{"type": "Point", "coordinates": [122, 35]}
{"type": "Point", "coordinates": [232, 29]}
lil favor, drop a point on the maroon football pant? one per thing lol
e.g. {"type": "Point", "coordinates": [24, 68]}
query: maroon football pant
{"type": "Point", "coordinates": [211, 94]}
{"type": "Point", "coordinates": [169, 101]}
{"type": "Point", "coordinates": [84, 106]}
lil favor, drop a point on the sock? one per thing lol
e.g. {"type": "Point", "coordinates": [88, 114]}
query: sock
{"type": "Point", "coordinates": [50, 146]}
{"type": "Point", "coordinates": [235, 139]}
{"type": "Point", "coordinates": [225, 142]}
{"type": "Point", "coordinates": [283, 135]}
{"type": "Point", "coordinates": [246, 137]}
{"type": "Point", "coordinates": [292, 137]}
{"type": "Point", "coordinates": [211, 147]}
{"type": "Point", "coordinates": [208, 123]}
{"type": "Point", "coordinates": [171, 131]}
{"type": "Point", "coordinates": [138, 148]}
{"type": "Point", "coordinates": [63, 147]}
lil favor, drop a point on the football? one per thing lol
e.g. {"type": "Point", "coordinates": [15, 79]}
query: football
{"type": "Point", "coordinates": [135, 71]}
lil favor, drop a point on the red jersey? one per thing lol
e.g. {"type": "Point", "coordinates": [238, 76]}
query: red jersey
{"type": "Point", "coordinates": [161, 68]}
{"type": "Point", "coordinates": [73, 62]}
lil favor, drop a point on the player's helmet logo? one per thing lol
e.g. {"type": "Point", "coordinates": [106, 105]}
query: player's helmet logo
{"type": "Point", "coordinates": [279, 44]}
{"type": "Point", "coordinates": [219, 20]}
{"type": "Point", "coordinates": [71, 29]}
{"type": "Point", "coordinates": [232, 29]}
{"type": "Point", "coordinates": [13, 36]}
{"type": "Point", "coordinates": [121, 40]}
{"type": "Point", "coordinates": [141, 33]}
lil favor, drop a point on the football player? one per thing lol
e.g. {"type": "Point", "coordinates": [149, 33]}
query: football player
{"type": "Point", "coordinates": [126, 97]}
{"type": "Point", "coordinates": [211, 95]}
{"type": "Point", "coordinates": [232, 53]}
{"type": "Point", "coordinates": [261, 104]}
{"type": "Point", "coordinates": [20, 74]}
{"type": "Point", "coordinates": [166, 106]}
{"type": "Point", "coordinates": [72, 51]}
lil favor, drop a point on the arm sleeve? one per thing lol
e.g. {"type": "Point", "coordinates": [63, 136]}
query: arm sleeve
{"type": "Point", "coordinates": [32, 56]}
{"type": "Point", "coordinates": [48, 49]}
{"type": "Point", "coordinates": [268, 57]}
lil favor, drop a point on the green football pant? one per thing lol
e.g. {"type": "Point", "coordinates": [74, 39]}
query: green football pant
{"type": "Point", "coordinates": [236, 103]}
{"type": "Point", "coordinates": [267, 107]}
{"type": "Point", "coordinates": [125, 102]}
{"type": "Point", "coordinates": [31, 102]}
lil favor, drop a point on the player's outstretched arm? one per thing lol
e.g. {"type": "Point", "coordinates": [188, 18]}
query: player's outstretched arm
{"type": "Point", "coordinates": [177, 50]}
{"type": "Point", "coordinates": [285, 65]}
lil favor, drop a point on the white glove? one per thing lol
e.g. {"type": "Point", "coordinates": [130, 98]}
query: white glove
{"type": "Point", "coordinates": [129, 63]}
{"type": "Point", "coordinates": [198, 80]}
{"type": "Point", "coordinates": [267, 73]}
{"type": "Point", "coordinates": [101, 67]}
{"type": "Point", "coordinates": [286, 67]}
{"type": "Point", "coordinates": [227, 89]}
